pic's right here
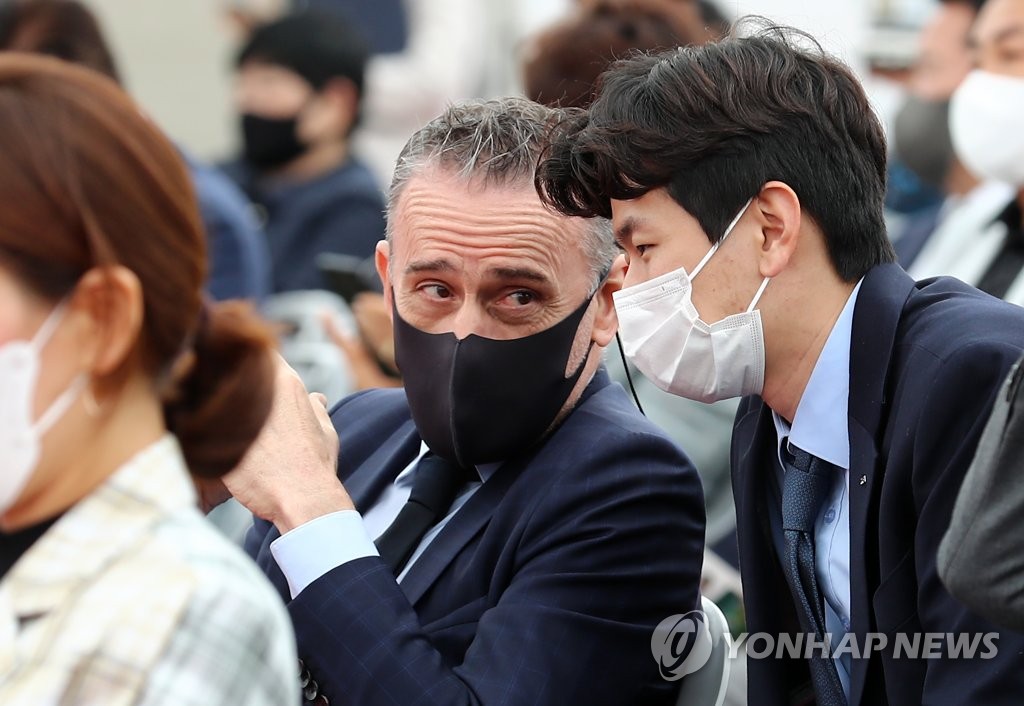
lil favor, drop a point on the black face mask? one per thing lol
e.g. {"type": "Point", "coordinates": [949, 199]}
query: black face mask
{"type": "Point", "coordinates": [270, 142]}
{"type": "Point", "coordinates": [481, 400]}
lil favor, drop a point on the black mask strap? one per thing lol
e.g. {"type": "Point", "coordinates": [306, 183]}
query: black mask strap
{"type": "Point", "coordinates": [629, 376]}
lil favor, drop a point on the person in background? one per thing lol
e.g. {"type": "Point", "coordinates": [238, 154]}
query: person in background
{"type": "Point", "coordinates": [981, 558]}
{"type": "Point", "coordinates": [383, 23]}
{"type": "Point", "coordinates": [987, 250]}
{"type": "Point", "coordinates": [749, 205]}
{"type": "Point", "coordinates": [921, 140]}
{"type": "Point", "coordinates": [717, 22]}
{"type": "Point", "coordinates": [299, 85]}
{"type": "Point", "coordinates": [370, 354]}
{"type": "Point", "coordinates": [68, 30]}
{"type": "Point", "coordinates": [562, 64]}
{"type": "Point", "coordinates": [118, 387]}
{"type": "Point", "coordinates": [508, 529]}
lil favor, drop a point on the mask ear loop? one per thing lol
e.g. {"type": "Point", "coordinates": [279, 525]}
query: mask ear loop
{"type": "Point", "coordinates": [61, 405]}
{"type": "Point", "coordinates": [757, 297]}
{"type": "Point", "coordinates": [46, 331]}
{"type": "Point", "coordinates": [629, 376]}
{"type": "Point", "coordinates": [618, 340]}
{"type": "Point", "coordinates": [714, 247]}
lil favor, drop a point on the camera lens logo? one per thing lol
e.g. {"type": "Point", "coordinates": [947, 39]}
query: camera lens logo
{"type": "Point", "coordinates": [681, 644]}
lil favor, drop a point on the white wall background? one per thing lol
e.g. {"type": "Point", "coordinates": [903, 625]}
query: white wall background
{"type": "Point", "coordinates": [839, 25]}
{"type": "Point", "coordinates": [175, 58]}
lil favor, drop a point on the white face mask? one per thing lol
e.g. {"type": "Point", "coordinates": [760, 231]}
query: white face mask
{"type": "Point", "coordinates": [665, 338]}
{"type": "Point", "coordinates": [984, 120]}
{"type": "Point", "coordinates": [20, 436]}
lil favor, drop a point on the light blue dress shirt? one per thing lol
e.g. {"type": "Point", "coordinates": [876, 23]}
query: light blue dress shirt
{"type": "Point", "coordinates": [311, 550]}
{"type": "Point", "coordinates": [821, 427]}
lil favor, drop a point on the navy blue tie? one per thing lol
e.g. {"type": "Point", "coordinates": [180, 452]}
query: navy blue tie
{"type": "Point", "coordinates": [805, 487]}
{"type": "Point", "coordinates": [434, 488]}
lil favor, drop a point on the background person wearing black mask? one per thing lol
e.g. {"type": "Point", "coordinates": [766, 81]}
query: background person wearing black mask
{"type": "Point", "coordinates": [532, 528]}
{"type": "Point", "coordinates": [298, 92]}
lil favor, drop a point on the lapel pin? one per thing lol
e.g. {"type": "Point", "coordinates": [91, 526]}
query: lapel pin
{"type": "Point", "coordinates": [863, 480]}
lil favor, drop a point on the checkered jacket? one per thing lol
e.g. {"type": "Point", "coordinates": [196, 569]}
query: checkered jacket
{"type": "Point", "coordinates": [132, 598]}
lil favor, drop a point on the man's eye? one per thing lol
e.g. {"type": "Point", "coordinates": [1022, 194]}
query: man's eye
{"type": "Point", "coordinates": [522, 298]}
{"type": "Point", "coordinates": [641, 249]}
{"type": "Point", "coordinates": [438, 291]}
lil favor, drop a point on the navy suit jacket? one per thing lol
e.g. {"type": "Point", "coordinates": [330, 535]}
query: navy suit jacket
{"type": "Point", "coordinates": [545, 587]}
{"type": "Point", "coordinates": [926, 362]}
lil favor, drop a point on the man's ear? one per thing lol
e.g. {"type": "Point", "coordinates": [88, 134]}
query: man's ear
{"type": "Point", "coordinates": [382, 258]}
{"type": "Point", "coordinates": [778, 210]}
{"type": "Point", "coordinates": [108, 306]}
{"type": "Point", "coordinates": [606, 323]}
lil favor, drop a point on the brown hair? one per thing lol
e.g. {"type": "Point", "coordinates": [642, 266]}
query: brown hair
{"type": "Point", "coordinates": [66, 29]}
{"type": "Point", "coordinates": [566, 60]}
{"type": "Point", "coordinates": [89, 182]}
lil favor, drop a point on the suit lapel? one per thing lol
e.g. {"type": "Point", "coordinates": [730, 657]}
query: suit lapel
{"type": "Point", "coordinates": [760, 564]}
{"type": "Point", "coordinates": [368, 480]}
{"type": "Point", "coordinates": [876, 319]}
{"type": "Point", "coordinates": [766, 595]}
{"type": "Point", "coordinates": [460, 530]}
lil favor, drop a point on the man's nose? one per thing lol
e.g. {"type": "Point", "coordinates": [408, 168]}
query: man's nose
{"type": "Point", "coordinates": [471, 318]}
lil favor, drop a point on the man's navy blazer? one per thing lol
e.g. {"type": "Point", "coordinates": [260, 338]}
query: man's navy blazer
{"type": "Point", "coordinates": [545, 587]}
{"type": "Point", "coordinates": [926, 362]}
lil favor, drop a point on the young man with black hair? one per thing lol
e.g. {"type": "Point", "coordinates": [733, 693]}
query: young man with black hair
{"type": "Point", "coordinates": [298, 91]}
{"type": "Point", "coordinates": [745, 180]}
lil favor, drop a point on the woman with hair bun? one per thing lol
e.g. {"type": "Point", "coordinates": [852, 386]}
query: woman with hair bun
{"type": "Point", "coordinates": [118, 387]}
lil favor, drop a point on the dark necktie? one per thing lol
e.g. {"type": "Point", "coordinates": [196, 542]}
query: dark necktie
{"type": "Point", "coordinates": [434, 489]}
{"type": "Point", "coordinates": [805, 487]}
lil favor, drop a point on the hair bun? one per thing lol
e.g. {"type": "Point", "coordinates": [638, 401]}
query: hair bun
{"type": "Point", "coordinates": [224, 388]}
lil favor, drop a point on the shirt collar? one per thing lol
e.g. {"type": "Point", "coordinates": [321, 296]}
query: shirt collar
{"type": "Point", "coordinates": [484, 470]}
{"type": "Point", "coordinates": [821, 424]}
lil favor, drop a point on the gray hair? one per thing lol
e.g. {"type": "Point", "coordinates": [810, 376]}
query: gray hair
{"type": "Point", "coordinates": [498, 142]}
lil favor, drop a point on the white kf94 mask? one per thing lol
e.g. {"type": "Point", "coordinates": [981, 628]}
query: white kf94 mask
{"type": "Point", "coordinates": [20, 436]}
{"type": "Point", "coordinates": [664, 337]}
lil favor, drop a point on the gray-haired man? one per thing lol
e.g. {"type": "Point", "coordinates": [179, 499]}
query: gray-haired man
{"type": "Point", "coordinates": [507, 529]}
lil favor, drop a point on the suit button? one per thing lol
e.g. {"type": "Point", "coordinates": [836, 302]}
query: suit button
{"type": "Point", "coordinates": [322, 701]}
{"type": "Point", "coordinates": [311, 690]}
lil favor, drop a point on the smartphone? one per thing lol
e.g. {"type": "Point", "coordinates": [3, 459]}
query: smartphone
{"type": "Point", "coordinates": [346, 275]}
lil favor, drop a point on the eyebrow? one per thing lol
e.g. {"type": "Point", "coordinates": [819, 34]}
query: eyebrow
{"type": "Point", "coordinates": [519, 273]}
{"type": "Point", "coordinates": [624, 233]}
{"type": "Point", "coordinates": [440, 265]}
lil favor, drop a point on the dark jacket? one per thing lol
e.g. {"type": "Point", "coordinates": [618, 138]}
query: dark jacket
{"type": "Point", "coordinates": [981, 559]}
{"type": "Point", "coordinates": [543, 590]}
{"type": "Point", "coordinates": [926, 363]}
